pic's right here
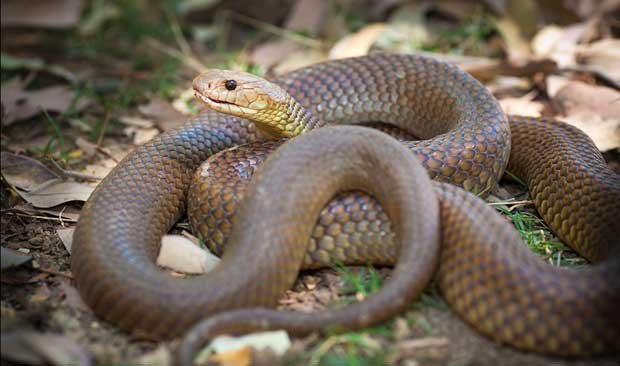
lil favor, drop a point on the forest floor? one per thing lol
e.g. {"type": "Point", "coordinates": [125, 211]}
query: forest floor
{"type": "Point", "coordinates": [85, 86]}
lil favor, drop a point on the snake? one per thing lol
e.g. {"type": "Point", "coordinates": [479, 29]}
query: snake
{"type": "Point", "coordinates": [287, 220]}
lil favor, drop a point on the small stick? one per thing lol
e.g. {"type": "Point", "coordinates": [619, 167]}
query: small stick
{"type": "Point", "coordinates": [40, 217]}
{"type": "Point", "coordinates": [187, 60]}
{"type": "Point", "coordinates": [306, 41]}
{"type": "Point", "coordinates": [511, 203]}
{"type": "Point", "coordinates": [53, 272]}
{"type": "Point", "coordinates": [106, 121]}
{"type": "Point", "coordinates": [74, 174]}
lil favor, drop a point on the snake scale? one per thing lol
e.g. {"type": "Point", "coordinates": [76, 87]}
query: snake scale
{"type": "Point", "coordinates": [484, 272]}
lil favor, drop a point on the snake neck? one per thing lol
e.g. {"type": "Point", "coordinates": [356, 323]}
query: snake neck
{"type": "Point", "coordinates": [303, 120]}
{"type": "Point", "coordinates": [288, 119]}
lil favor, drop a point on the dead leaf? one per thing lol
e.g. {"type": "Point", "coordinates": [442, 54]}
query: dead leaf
{"type": "Point", "coordinates": [40, 13]}
{"type": "Point", "coordinates": [161, 356]}
{"type": "Point", "coordinates": [41, 294]}
{"type": "Point", "coordinates": [553, 84]}
{"type": "Point", "coordinates": [239, 357]}
{"type": "Point", "coordinates": [407, 29]}
{"type": "Point", "coordinates": [66, 236]}
{"type": "Point", "coordinates": [278, 341]}
{"type": "Point", "coordinates": [12, 258]}
{"type": "Point", "coordinates": [604, 132]}
{"type": "Point", "coordinates": [523, 106]}
{"type": "Point", "coordinates": [20, 104]}
{"type": "Point", "coordinates": [517, 45]}
{"type": "Point", "coordinates": [140, 135]}
{"type": "Point", "coordinates": [593, 109]}
{"type": "Point", "coordinates": [99, 13]}
{"type": "Point", "coordinates": [34, 348]}
{"type": "Point", "coordinates": [102, 167]}
{"type": "Point", "coordinates": [20, 278]}
{"type": "Point", "coordinates": [88, 147]}
{"type": "Point", "coordinates": [183, 103]}
{"type": "Point", "coordinates": [299, 59]}
{"type": "Point", "coordinates": [580, 98]}
{"type": "Point", "coordinates": [270, 53]}
{"type": "Point", "coordinates": [602, 57]}
{"type": "Point", "coordinates": [307, 16]}
{"type": "Point", "coordinates": [559, 44]}
{"type": "Point", "coordinates": [165, 115]}
{"type": "Point", "coordinates": [136, 122]}
{"type": "Point", "coordinates": [181, 254]}
{"type": "Point", "coordinates": [56, 192]}
{"type": "Point", "coordinates": [357, 44]}
{"type": "Point", "coordinates": [23, 172]}
{"type": "Point", "coordinates": [503, 86]}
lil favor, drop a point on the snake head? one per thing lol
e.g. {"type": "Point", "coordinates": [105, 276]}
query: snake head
{"type": "Point", "coordinates": [239, 93]}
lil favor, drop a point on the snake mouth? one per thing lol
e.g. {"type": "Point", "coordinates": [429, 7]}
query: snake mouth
{"type": "Point", "coordinates": [224, 106]}
{"type": "Point", "coordinates": [212, 101]}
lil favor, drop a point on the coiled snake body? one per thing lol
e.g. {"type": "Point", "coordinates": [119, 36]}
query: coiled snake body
{"type": "Point", "coordinates": [486, 275]}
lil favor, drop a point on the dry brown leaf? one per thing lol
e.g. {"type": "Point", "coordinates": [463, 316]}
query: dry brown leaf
{"type": "Point", "coordinates": [41, 294]}
{"type": "Point", "coordinates": [239, 357]}
{"type": "Point", "coordinates": [523, 106]}
{"type": "Point", "coordinates": [21, 104]}
{"type": "Point", "coordinates": [358, 43]}
{"type": "Point", "coordinates": [580, 98]}
{"type": "Point", "coordinates": [307, 16]}
{"type": "Point", "coordinates": [299, 59]}
{"type": "Point", "coordinates": [517, 45]}
{"type": "Point", "coordinates": [66, 236]}
{"type": "Point", "coordinates": [136, 122]}
{"type": "Point", "coordinates": [602, 57]}
{"type": "Point", "coordinates": [72, 297]}
{"type": "Point", "coordinates": [161, 356]}
{"type": "Point", "coordinates": [559, 44]}
{"type": "Point", "coordinates": [36, 348]}
{"type": "Point", "coordinates": [407, 28]}
{"type": "Point", "coordinates": [554, 83]}
{"type": "Point", "coordinates": [594, 109]}
{"type": "Point", "coordinates": [41, 13]}
{"type": "Point", "coordinates": [184, 102]}
{"type": "Point", "coordinates": [140, 135]}
{"type": "Point", "coordinates": [588, 8]}
{"type": "Point", "coordinates": [270, 53]}
{"type": "Point", "coordinates": [181, 254]}
{"type": "Point", "coordinates": [278, 341]}
{"type": "Point", "coordinates": [56, 192]}
{"type": "Point", "coordinates": [88, 147]}
{"type": "Point", "coordinates": [12, 258]}
{"type": "Point", "coordinates": [604, 132]}
{"type": "Point", "coordinates": [101, 168]}
{"type": "Point", "coordinates": [165, 115]}
{"type": "Point", "coordinates": [23, 172]}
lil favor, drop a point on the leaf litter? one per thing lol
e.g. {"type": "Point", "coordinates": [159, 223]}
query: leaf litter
{"type": "Point", "coordinates": [567, 52]}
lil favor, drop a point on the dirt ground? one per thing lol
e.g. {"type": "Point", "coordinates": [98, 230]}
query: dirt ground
{"type": "Point", "coordinates": [44, 300]}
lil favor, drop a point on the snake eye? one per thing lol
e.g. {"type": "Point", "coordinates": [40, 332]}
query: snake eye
{"type": "Point", "coordinates": [230, 84]}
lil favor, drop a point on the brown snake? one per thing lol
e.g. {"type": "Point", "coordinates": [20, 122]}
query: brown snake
{"type": "Point", "coordinates": [486, 275]}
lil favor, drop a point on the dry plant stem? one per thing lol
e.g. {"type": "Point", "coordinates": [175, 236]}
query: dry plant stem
{"type": "Point", "coordinates": [284, 33]}
{"type": "Point", "coordinates": [188, 60]}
